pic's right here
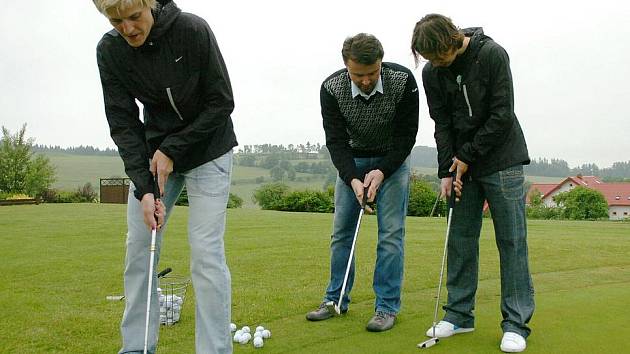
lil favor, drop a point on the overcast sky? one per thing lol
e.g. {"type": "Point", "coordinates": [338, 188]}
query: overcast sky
{"type": "Point", "coordinates": [570, 63]}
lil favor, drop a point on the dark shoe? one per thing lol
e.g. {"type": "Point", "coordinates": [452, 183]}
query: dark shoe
{"type": "Point", "coordinates": [325, 311]}
{"type": "Point", "coordinates": [381, 321]}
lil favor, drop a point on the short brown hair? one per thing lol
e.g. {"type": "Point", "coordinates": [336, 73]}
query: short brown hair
{"type": "Point", "coordinates": [435, 34]}
{"type": "Point", "coordinates": [363, 48]}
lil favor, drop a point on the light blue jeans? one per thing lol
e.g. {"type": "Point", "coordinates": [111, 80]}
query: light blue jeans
{"type": "Point", "coordinates": [208, 189]}
{"type": "Point", "coordinates": [391, 210]}
{"type": "Point", "coordinates": [505, 193]}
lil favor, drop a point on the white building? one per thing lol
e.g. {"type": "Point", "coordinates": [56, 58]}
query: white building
{"type": "Point", "coordinates": [617, 194]}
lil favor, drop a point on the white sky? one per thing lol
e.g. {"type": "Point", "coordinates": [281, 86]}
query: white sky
{"type": "Point", "coordinates": [570, 63]}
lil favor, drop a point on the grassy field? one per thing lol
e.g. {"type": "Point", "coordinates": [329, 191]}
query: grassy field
{"type": "Point", "coordinates": [61, 261]}
{"type": "Point", "coordinates": [76, 170]}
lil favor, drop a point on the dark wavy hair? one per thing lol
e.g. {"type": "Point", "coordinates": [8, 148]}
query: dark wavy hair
{"type": "Point", "coordinates": [435, 34]}
{"type": "Point", "coordinates": [363, 48]}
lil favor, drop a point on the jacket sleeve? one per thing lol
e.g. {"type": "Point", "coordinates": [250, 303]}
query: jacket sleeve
{"type": "Point", "coordinates": [125, 127]}
{"type": "Point", "coordinates": [436, 100]}
{"type": "Point", "coordinates": [405, 128]}
{"type": "Point", "coordinates": [216, 91]}
{"type": "Point", "coordinates": [500, 99]}
{"type": "Point", "coordinates": [337, 138]}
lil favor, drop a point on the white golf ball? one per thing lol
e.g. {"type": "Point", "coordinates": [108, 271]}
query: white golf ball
{"type": "Point", "coordinates": [266, 334]}
{"type": "Point", "coordinates": [246, 329]}
{"type": "Point", "coordinates": [258, 334]}
{"type": "Point", "coordinates": [260, 329]}
{"type": "Point", "coordinates": [258, 342]}
{"type": "Point", "coordinates": [245, 338]}
{"type": "Point", "coordinates": [232, 327]}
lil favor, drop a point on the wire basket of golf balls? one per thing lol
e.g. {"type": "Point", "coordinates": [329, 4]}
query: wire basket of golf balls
{"type": "Point", "coordinates": [172, 295]}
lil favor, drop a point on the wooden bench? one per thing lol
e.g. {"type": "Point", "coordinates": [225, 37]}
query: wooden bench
{"type": "Point", "coordinates": [19, 201]}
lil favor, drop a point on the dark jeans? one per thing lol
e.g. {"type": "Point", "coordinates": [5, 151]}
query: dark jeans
{"type": "Point", "coordinates": [391, 210]}
{"type": "Point", "coordinates": [504, 192]}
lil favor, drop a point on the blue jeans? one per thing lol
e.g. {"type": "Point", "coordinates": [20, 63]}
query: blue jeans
{"type": "Point", "coordinates": [208, 189]}
{"type": "Point", "coordinates": [505, 193]}
{"type": "Point", "coordinates": [391, 210]}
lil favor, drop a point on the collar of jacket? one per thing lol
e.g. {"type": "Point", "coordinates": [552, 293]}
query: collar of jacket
{"type": "Point", "coordinates": [164, 14]}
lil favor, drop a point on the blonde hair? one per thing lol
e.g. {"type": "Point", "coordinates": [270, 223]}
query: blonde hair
{"type": "Point", "coordinates": [104, 6]}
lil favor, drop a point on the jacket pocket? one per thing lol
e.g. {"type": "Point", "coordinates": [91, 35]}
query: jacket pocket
{"type": "Point", "coordinates": [183, 96]}
{"type": "Point", "coordinates": [172, 101]}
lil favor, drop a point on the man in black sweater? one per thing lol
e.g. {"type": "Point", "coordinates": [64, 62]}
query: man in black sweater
{"type": "Point", "coordinates": [370, 116]}
{"type": "Point", "coordinates": [468, 84]}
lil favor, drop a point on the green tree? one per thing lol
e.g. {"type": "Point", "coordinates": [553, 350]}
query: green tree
{"type": "Point", "coordinates": [21, 171]}
{"type": "Point", "coordinates": [269, 196]}
{"type": "Point", "coordinates": [277, 173]}
{"type": "Point", "coordinates": [535, 198]}
{"type": "Point", "coordinates": [234, 201]}
{"type": "Point", "coordinates": [421, 198]}
{"type": "Point", "coordinates": [40, 176]}
{"type": "Point", "coordinates": [582, 204]}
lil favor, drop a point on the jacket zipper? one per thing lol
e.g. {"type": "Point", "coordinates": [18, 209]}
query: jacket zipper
{"type": "Point", "coordinates": [459, 83]}
{"type": "Point", "coordinates": [467, 102]}
{"type": "Point", "coordinates": [170, 98]}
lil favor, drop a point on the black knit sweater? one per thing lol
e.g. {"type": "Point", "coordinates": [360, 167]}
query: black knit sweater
{"type": "Point", "coordinates": [383, 126]}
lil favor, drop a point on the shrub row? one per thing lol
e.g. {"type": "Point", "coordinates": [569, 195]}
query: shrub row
{"type": "Point", "coordinates": [276, 196]}
{"type": "Point", "coordinates": [234, 200]}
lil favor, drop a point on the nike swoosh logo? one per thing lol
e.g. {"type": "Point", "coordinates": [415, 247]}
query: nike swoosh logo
{"type": "Point", "coordinates": [176, 60]}
{"type": "Point", "coordinates": [414, 90]}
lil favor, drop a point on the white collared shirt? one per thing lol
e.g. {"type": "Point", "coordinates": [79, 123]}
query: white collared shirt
{"type": "Point", "coordinates": [357, 91]}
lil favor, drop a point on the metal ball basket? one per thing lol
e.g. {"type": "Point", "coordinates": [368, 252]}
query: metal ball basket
{"type": "Point", "coordinates": [172, 295]}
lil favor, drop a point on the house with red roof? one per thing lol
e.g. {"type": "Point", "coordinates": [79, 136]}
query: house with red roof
{"type": "Point", "coordinates": [617, 194]}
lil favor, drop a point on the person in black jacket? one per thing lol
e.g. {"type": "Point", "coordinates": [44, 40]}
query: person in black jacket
{"type": "Point", "coordinates": [170, 62]}
{"type": "Point", "coordinates": [370, 116]}
{"type": "Point", "coordinates": [468, 84]}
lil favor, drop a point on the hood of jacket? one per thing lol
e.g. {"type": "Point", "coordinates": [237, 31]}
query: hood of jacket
{"type": "Point", "coordinates": [477, 40]}
{"type": "Point", "coordinates": [164, 14]}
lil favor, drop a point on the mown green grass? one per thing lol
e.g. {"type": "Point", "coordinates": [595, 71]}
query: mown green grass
{"type": "Point", "coordinates": [61, 261]}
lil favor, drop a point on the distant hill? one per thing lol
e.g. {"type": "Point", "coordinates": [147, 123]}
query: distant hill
{"type": "Point", "coordinates": [423, 156]}
{"type": "Point", "coordinates": [78, 165]}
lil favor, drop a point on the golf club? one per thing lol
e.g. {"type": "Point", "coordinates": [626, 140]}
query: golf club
{"type": "Point", "coordinates": [121, 297]}
{"type": "Point", "coordinates": [435, 205]}
{"type": "Point", "coordinates": [354, 241]}
{"type": "Point", "coordinates": [156, 194]}
{"type": "Point", "coordinates": [451, 204]}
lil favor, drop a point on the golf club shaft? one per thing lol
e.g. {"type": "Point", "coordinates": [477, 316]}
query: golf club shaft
{"type": "Point", "coordinates": [435, 205]}
{"type": "Point", "coordinates": [362, 204]}
{"type": "Point", "coordinates": [149, 290]}
{"type": "Point", "coordinates": [345, 278]}
{"type": "Point", "coordinates": [451, 205]}
{"type": "Point", "coordinates": [156, 195]}
{"type": "Point", "coordinates": [439, 291]}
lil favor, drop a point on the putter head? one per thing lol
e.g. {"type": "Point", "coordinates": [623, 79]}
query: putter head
{"type": "Point", "coordinates": [429, 343]}
{"type": "Point", "coordinates": [332, 308]}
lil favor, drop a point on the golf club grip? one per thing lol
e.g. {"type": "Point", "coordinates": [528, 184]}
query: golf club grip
{"type": "Point", "coordinates": [365, 197]}
{"type": "Point", "coordinates": [156, 186]}
{"type": "Point", "coordinates": [156, 193]}
{"type": "Point", "coordinates": [451, 199]}
{"type": "Point", "coordinates": [164, 272]}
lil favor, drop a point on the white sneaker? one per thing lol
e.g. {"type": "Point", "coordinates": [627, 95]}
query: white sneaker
{"type": "Point", "coordinates": [513, 343]}
{"type": "Point", "coordinates": [446, 329]}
